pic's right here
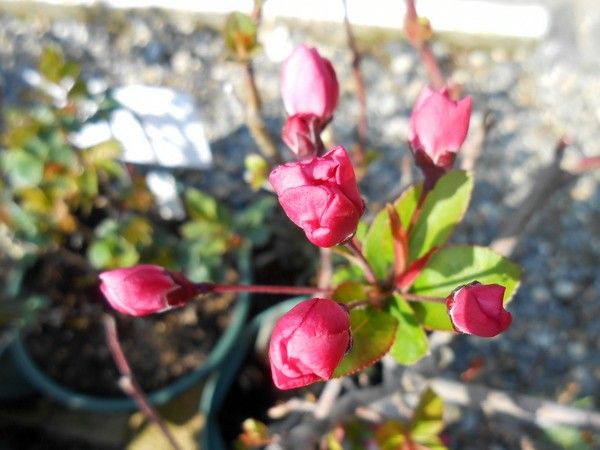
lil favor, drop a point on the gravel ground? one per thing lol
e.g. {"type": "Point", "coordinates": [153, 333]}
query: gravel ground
{"type": "Point", "coordinates": [536, 93]}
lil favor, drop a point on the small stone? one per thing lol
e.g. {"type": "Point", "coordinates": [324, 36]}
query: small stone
{"type": "Point", "coordinates": [577, 350]}
{"type": "Point", "coordinates": [402, 64]}
{"type": "Point", "coordinates": [584, 189]}
{"type": "Point", "coordinates": [181, 61]}
{"type": "Point", "coordinates": [564, 288]}
{"type": "Point", "coordinates": [540, 294]}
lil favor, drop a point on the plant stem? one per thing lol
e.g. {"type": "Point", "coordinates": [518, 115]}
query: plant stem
{"type": "Point", "coordinates": [129, 384]}
{"type": "Point", "coordinates": [361, 129]}
{"type": "Point", "coordinates": [367, 269]}
{"type": "Point", "coordinates": [325, 268]}
{"type": "Point", "coordinates": [265, 289]}
{"type": "Point", "coordinates": [254, 120]}
{"type": "Point", "coordinates": [427, 57]}
{"type": "Point", "coordinates": [421, 298]}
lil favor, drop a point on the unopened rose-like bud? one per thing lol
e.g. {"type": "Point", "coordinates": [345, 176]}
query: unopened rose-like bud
{"type": "Point", "coordinates": [478, 309]}
{"type": "Point", "coordinates": [145, 289]}
{"type": "Point", "coordinates": [308, 343]}
{"type": "Point", "coordinates": [321, 196]}
{"type": "Point", "coordinates": [438, 127]}
{"type": "Point", "coordinates": [302, 134]}
{"type": "Point", "coordinates": [309, 84]}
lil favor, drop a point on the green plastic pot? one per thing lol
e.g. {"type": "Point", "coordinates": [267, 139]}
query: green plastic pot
{"type": "Point", "coordinates": [36, 377]}
{"type": "Point", "coordinates": [218, 385]}
{"type": "Point", "coordinates": [12, 383]}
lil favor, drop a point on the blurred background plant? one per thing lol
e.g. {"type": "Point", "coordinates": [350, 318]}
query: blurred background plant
{"type": "Point", "coordinates": [86, 207]}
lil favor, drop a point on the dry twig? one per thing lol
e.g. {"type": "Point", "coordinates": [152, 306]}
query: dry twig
{"type": "Point", "coordinates": [361, 129]}
{"type": "Point", "coordinates": [129, 384]}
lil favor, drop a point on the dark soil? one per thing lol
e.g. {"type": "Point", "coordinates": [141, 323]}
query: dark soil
{"type": "Point", "coordinates": [69, 344]}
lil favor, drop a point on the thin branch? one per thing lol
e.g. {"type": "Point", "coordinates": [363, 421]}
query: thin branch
{"type": "Point", "coordinates": [470, 153]}
{"type": "Point", "coordinates": [360, 258]}
{"type": "Point", "coordinates": [524, 407]}
{"type": "Point", "coordinates": [361, 129]}
{"type": "Point", "coordinates": [256, 13]}
{"type": "Point", "coordinates": [129, 384]}
{"type": "Point", "coordinates": [325, 268]}
{"type": "Point", "coordinates": [261, 289]}
{"type": "Point", "coordinates": [292, 405]}
{"type": "Point", "coordinates": [548, 180]}
{"type": "Point", "coordinates": [328, 397]}
{"type": "Point", "coordinates": [413, 32]}
{"type": "Point", "coordinates": [254, 119]}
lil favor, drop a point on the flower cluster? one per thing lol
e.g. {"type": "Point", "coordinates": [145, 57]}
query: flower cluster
{"type": "Point", "coordinates": [310, 92]}
{"type": "Point", "coordinates": [320, 194]}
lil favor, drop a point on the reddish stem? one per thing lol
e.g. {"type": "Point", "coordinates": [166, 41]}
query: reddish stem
{"type": "Point", "coordinates": [367, 269]}
{"type": "Point", "coordinates": [129, 384]}
{"type": "Point", "coordinates": [265, 289]}
{"type": "Point", "coordinates": [361, 128]}
{"type": "Point", "coordinates": [427, 57]}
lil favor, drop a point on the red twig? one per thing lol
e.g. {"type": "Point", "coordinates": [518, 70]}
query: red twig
{"type": "Point", "coordinates": [129, 384]}
{"type": "Point", "coordinates": [359, 149]}
{"type": "Point", "coordinates": [414, 34]}
{"type": "Point", "coordinates": [265, 289]}
{"type": "Point", "coordinates": [360, 258]}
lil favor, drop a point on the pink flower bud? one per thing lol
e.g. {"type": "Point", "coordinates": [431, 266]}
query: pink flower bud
{"type": "Point", "coordinates": [308, 343]}
{"type": "Point", "coordinates": [321, 196]}
{"type": "Point", "coordinates": [145, 289]}
{"type": "Point", "coordinates": [309, 84]}
{"type": "Point", "coordinates": [478, 309]}
{"type": "Point", "coordinates": [438, 127]}
{"type": "Point", "coordinates": [302, 134]}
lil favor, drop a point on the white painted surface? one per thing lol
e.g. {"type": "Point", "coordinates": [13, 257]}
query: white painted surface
{"type": "Point", "coordinates": [492, 17]}
{"type": "Point", "coordinates": [157, 126]}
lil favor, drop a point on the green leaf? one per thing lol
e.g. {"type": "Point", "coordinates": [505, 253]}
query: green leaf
{"type": "Point", "coordinates": [252, 221]}
{"type": "Point", "coordinates": [200, 205]}
{"type": "Point", "coordinates": [349, 291]}
{"type": "Point", "coordinates": [99, 254]}
{"type": "Point", "coordinates": [427, 419]}
{"type": "Point", "coordinates": [373, 333]}
{"type": "Point", "coordinates": [455, 266]}
{"type": "Point", "coordinates": [22, 168]}
{"type": "Point", "coordinates": [88, 182]}
{"type": "Point", "coordinates": [51, 63]}
{"type": "Point", "coordinates": [442, 210]}
{"type": "Point", "coordinates": [99, 153]}
{"type": "Point", "coordinates": [361, 231]}
{"type": "Point", "coordinates": [391, 435]}
{"type": "Point", "coordinates": [257, 171]}
{"type": "Point", "coordinates": [569, 438]}
{"type": "Point", "coordinates": [378, 246]}
{"type": "Point", "coordinates": [347, 273]}
{"type": "Point", "coordinates": [239, 33]}
{"type": "Point", "coordinates": [410, 343]}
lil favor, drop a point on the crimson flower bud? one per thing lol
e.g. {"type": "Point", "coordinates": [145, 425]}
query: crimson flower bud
{"type": "Point", "coordinates": [302, 134]}
{"type": "Point", "coordinates": [321, 196]}
{"type": "Point", "coordinates": [308, 342]}
{"type": "Point", "coordinates": [478, 309]}
{"type": "Point", "coordinates": [309, 84]}
{"type": "Point", "coordinates": [438, 127]}
{"type": "Point", "coordinates": [145, 289]}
